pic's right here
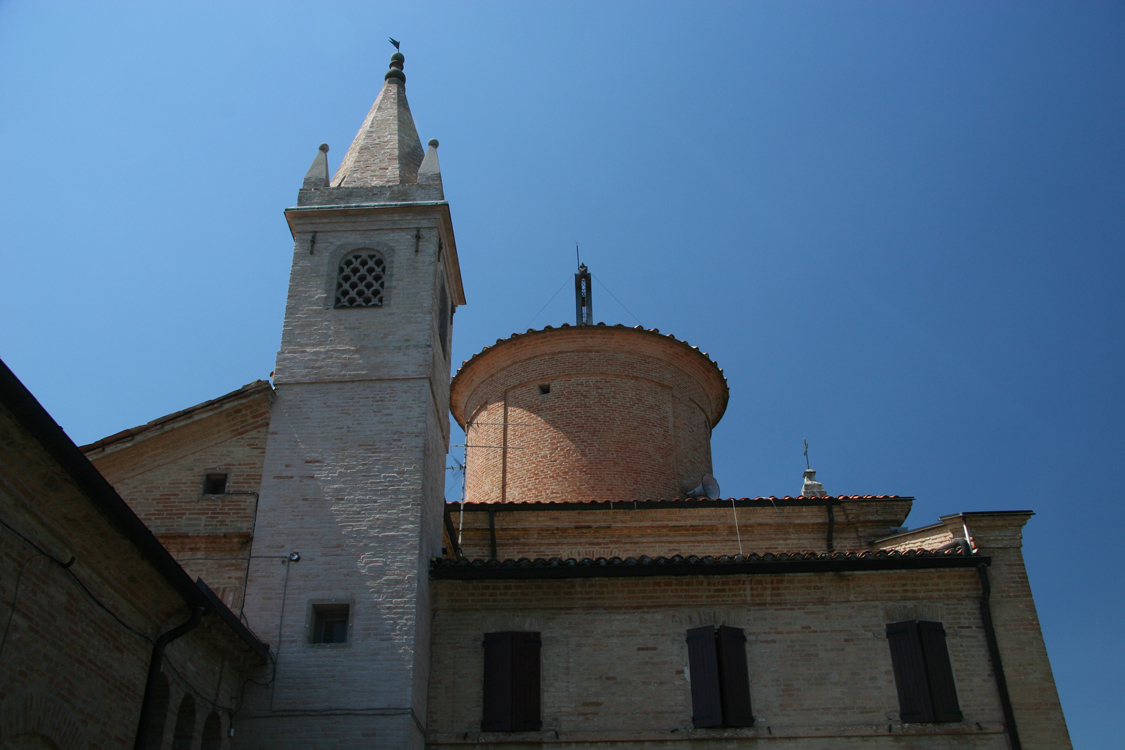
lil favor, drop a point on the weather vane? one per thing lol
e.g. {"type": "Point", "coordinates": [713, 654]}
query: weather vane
{"type": "Point", "coordinates": [807, 466]}
{"type": "Point", "coordinates": [394, 41]}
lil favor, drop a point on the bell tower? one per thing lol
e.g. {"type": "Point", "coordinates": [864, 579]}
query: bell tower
{"type": "Point", "coordinates": [352, 490]}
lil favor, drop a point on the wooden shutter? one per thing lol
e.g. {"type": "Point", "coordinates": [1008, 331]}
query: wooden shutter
{"type": "Point", "coordinates": [734, 679]}
{"type": "Point", "coordinates": [943, 691]}
{"type": "Point", "coordinates": [704, 665]}
{"type": "Point", "coordinates": [511, 683]}
{"type": "Point", "coordinates": [910, 672]}
{"type": "Point", "coordinates": [497, 714]}
{"type": "Point", "coordinates": [525, 682]}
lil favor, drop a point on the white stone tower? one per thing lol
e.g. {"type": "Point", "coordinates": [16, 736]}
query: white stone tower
{"type": "Point", "coordinates": [352, 492]}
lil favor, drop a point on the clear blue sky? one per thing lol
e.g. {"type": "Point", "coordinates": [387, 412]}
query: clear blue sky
{"type": "Point", "coordinates": [898, 227]}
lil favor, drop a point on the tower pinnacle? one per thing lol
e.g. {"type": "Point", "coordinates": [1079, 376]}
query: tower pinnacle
{"type": "Point", "coordinates": [386, 150]}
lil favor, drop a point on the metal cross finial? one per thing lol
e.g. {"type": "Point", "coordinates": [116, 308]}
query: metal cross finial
{"type": "Point", "coordinates": [807, 466]}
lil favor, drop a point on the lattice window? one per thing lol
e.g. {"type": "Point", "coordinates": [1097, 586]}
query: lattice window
{"type": "Point", "coordinates": [360, 280]}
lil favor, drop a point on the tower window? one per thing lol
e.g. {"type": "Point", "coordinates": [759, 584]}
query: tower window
{"type": "Point", "coordinates": [544, 389]}
{"type": "Point", "coordinates": [215, 484]}
{"type": "Point", "coordinates": [445, 317]}
{"type": "Point", "coordinates": [330, 623]}
{"type": "Point", "coordinates": [359, 282]}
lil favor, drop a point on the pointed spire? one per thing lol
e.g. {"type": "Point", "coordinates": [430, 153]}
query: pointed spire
{"type": "Point", "coordinates": [317, 176]}
{"type": "Point", "coordinates": [386, 150]}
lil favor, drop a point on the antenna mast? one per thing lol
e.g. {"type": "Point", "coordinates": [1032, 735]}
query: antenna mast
{"type": "Point", "coordinates": [583, 293]}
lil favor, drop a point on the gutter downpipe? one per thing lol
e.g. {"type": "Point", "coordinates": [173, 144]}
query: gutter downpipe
{"type": "Point", "coordinates": [154, 666]}
{"type": "Point", "coordinates": [831, 526]}
{"type": "Point", "coordinates": [994, 654]}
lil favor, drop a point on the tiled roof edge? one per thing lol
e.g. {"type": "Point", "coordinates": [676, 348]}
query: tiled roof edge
{"type": "Point", "coordinates": [605, 326]}
{"type": "Point", "coordinates": [245, 391]}
{"type": "Point", "coordinates": [679, 565]}
{"type": "Point", "coordinates": [770, 501]}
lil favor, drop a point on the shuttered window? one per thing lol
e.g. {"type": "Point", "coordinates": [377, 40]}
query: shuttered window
{"type": "Point", "coordinates": [923, 674]}
{"type": "Point", "coordinates": [720, 681]}
{"type": "Point", "coordinates": [511, 682]}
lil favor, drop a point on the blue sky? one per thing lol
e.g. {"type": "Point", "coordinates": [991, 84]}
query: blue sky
{"type": "Point", "coordinates": [898, 228]}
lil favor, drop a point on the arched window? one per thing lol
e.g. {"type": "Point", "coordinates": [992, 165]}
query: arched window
{"type": "Point", "coordinates": [185, 724]}
{"type": "Point", "coordinates": [360, 279]}
{"type": "Point", "coordinates": [155, 736]}
{"type": "Point", "coordinates": [212, 732]}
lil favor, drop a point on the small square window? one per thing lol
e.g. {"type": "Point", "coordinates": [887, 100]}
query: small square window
{"type": "Point", "coordinates": [330, 623]}
{"type": "Point", "coordinates": [544, 389]}
{"type": "Point", "coordinates": [214, 484]}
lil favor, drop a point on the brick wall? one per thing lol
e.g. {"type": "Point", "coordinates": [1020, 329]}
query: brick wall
{"type": "Point", "coordinates": [353, 480]}
{"type": "Point", "coordinates": [628, 416]}
{"type": "Point", "coordinates": [70, 673]}
{"type": "Point", "coordinates": [614, 658]}
{"type": "Point", "coordinates": [625, 531]}
{"type": "Point", "coordinates": [160, 471]}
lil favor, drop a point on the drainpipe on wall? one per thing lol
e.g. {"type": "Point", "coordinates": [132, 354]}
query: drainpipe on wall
{"type": "Point", "coordinates": [154, 666]}
{"type": "Point", "coordinates": [994, 654]}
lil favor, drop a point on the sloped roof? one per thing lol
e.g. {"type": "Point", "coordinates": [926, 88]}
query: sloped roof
{"type": "Point", "coordinates": [207, 407]}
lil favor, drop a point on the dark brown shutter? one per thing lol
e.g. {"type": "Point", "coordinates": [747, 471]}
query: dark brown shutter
{"type": "Point", "coordinates": [703, 662]}
{"type": "Point", "coordinates": [943, 691]}
{"type": "Point", "coordinates": [910, 672]}
{"type": "Point", "coordinates": [497, 715]}
{"type": "Point", "coordinates": [734, 679]}
{"type": "Point", "coordinates": [525, 682]}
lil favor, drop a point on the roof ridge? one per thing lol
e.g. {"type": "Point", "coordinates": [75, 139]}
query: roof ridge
{"type": "Point", "coordinates": [247, 390]}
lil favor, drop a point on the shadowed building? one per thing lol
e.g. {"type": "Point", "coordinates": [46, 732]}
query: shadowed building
{"type": "Point", "coordinates": [592, 587]}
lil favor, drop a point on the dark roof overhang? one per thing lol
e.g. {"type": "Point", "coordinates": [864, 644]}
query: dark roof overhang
{"type": "Point", "coordinates": [782, 563]}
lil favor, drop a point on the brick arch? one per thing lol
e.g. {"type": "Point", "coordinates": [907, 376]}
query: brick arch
{"type": "Point", "coordinates": [35, 714]}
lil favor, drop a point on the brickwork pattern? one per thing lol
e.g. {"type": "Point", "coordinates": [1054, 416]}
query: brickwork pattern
{"type": "Point", "coordinates": [614, 658]}
{"type": "Point", "coordinates": [386, 150]}
{"type": "Point", "coordinates": [160, 474]}
{"type": "Point", "coordinates": [628, 416]}
{"type": "Point", "coordinates": [353, 481]}
{"type": "Point", "coordinates": [69, 672]}
{"type": "Point", "coordinates": [627, 532]}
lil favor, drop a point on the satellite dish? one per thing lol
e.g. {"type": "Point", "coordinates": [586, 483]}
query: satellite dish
{"type": "Point", "coordinates": [708, 488]}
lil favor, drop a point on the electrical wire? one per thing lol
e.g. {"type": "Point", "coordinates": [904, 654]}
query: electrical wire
{"type": "Point", "coordinates": [15, 598]}
{"type": "Point", "coordinates": [611, 294]}
{"type": "Point", "coordinates": [556, 294]}
{"type": "Point", "coordinates": [78, 582]}
{"type": "Point", "coordinates": [40, 552]}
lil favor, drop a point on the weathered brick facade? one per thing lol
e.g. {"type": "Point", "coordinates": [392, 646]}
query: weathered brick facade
{"type": "Point", "coordinates": [586, 413]}
{"type": "Point", "coordinates": [87, 591]}
{"type": "Point", "coordinates": [159, 469]}
{"type": "Point", "coordinates": [331, 540]}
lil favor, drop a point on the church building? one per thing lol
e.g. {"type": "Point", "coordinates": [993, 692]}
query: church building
{"type": "Point", "coordinates": [278, 567]}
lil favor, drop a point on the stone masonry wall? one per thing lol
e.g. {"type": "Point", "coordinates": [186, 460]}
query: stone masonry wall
{"type": "Point", "coordinates": [614, 658]}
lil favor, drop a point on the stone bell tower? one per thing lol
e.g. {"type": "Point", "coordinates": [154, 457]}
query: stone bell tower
{"type": "Point", "coordinates": [352, 491]}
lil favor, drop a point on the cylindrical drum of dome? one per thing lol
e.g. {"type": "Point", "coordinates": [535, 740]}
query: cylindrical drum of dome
{"type": "Point", "coordinates": [587, 413]}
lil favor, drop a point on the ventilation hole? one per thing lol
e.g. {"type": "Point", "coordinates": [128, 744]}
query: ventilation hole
{"type": "Point", "coordinates": [360, 280]}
